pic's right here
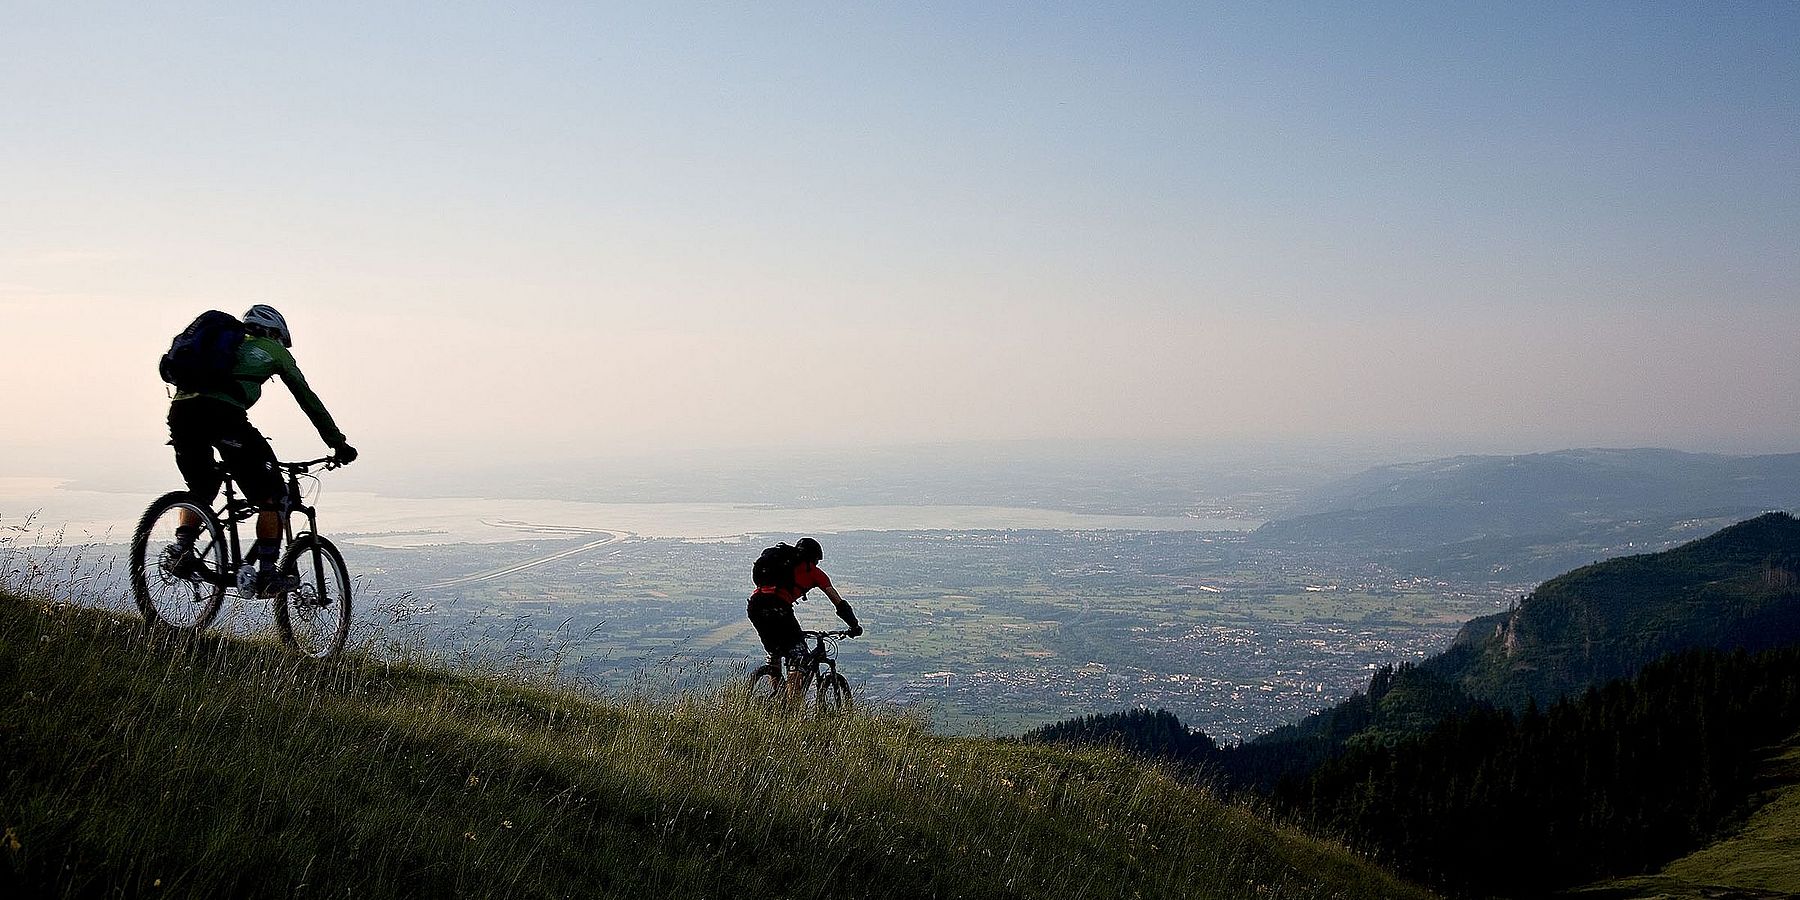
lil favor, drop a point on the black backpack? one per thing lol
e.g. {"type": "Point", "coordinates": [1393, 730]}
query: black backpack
{"type": "Point", "coordinates": [775, 567]}
{"type": "Point", "coordinates": [202, 356]}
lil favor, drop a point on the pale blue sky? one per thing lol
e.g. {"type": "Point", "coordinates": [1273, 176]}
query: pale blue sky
{"type": "Point", "coordinates": [572, 226]}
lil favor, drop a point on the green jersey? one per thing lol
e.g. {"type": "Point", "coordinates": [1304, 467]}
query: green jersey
{"type": "Point", "coordinates": [260, 358]}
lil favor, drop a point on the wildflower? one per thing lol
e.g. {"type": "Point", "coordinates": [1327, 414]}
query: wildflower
{"type": "Point", "coordinates": [505, 823]}
{"type": "Point", "coordinates": [11, 840]}
{"type": "Point", "coordinates": [469, 834]}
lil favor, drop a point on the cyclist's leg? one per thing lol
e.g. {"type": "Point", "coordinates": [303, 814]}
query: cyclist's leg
{"type": "Point", "coordinates": [192, 431]}
{"type": "Point", "coordinates": [794, 651]}
{"type": "Point", "coordinates": [780, 634]}
{"type": "Point", "coordinates": [251, 461]}
{"type": "Point", "coordinates": [796, 677]}
{"type": "Point", "coordinates": [767, 615]}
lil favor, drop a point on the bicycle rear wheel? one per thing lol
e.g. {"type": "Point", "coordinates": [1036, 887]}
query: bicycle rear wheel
{"type": "Point", "coordinates": [182, 590]}
{"type": "Point", "coordinates": [767, 685]}
{"type": "Point", "coordinates": [313, 617]}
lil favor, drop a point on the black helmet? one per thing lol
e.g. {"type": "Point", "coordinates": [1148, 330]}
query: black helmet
{"type": "Point", "coordinates": [809, 549]}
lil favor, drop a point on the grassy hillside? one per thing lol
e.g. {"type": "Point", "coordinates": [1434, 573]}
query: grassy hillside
{"type": "Point", "coordinates": [1759, 860]}
{"type": "Point", "coordinates": [228, 769]}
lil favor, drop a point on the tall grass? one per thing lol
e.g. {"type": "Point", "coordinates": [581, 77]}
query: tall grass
{"type": "Point", "coordinates": [45, 563]}
{"type": "Point", "coordinates": [141, 765]}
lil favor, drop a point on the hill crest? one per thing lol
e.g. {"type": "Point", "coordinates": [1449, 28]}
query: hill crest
{"type": "Point", "coordinates": [1536, 515]}
{"type": "Point", "coordinates": [1733, 589]}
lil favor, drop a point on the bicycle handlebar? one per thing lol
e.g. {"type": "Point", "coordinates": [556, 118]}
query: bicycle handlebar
{"type": "Point", "coordinates": [824, 634]}
{"type": "Point", "coordinates": [301, 468]}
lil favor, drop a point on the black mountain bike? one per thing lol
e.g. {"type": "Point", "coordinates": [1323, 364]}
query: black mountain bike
{"type": "Point", "coordinates": [184, 590]}
{"type": "Point", "coordinates": [820, 683]}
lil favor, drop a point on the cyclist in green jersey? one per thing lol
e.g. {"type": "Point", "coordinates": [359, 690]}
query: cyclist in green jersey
{"type": "Point", "coordinates": [202, 421]}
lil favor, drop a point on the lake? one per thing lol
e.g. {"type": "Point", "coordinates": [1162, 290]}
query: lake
{"type": "Point", "coordinates": [86, 516]}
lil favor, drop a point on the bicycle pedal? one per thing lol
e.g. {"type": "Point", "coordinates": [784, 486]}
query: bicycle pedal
{"type": "Point", "coordinates": [255, 583]}
{"type": "Point", "coordinates": [181, 562]}
{"type": "Point", "coordinates": [290, 584]}
{"type": "Point", "coordinates": [280, 585]}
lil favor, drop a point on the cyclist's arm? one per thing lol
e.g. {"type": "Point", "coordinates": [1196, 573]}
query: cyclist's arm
{"type": "Point", "coordinates": [815, 577]}
{"type": "Point", "coordinates": [309, 401]}
{"type": "Point", "coordinates": [843, 607]}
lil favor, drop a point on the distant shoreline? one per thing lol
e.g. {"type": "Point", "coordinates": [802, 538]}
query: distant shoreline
{"type": "Point", "coordinates": [402, 522]}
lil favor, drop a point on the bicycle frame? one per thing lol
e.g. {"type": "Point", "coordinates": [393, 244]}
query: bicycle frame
{"type": "Point", "coordinates": [236, 509]}
{"type": "Point", "coordinates": [818, 656]}
{"type": "Point", "coordinates": [814, 671]}
{"type": "Point", "coordinates": [821, 653]}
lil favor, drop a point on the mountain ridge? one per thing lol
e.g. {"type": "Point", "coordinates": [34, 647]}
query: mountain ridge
{"type": "Point", "coordinates": [1533, 516]}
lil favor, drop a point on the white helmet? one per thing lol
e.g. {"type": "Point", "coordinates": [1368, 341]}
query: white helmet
{"type": "Point", "coordinates": [264, 316]}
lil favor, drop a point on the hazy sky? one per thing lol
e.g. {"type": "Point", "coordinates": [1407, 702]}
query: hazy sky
{"type": "Point", "coordinates": [540, 230]}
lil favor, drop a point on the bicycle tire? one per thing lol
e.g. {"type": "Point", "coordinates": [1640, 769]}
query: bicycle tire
{"type": "Point", "coordinates": [834, 694]}
{"type": "Point", "coordinates": [313, 617]}
{"type": "Point", "coordinates": [767, 684]}
{"type": "Point", "coordinates": [186, 602]}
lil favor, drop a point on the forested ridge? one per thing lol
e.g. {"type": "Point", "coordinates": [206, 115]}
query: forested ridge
{"type": "Point", "coordinates": [1452, 770]}
{"type": "Point", "coordinates": [1736, 588]}
{"type": "Point", "coordinates": [1624, 777]}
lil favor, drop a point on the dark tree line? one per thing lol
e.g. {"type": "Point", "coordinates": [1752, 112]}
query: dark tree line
{"type": "Point", "coordinates": [1158, 734]}
{"type": "Point", "coordinates": [1622, 778]}
{"type": "Point", "coordinates": [1407, 699]}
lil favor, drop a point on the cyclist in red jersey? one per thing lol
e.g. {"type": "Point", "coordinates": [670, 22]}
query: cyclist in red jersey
{"type": "Point", "coordinates": [771, 610]}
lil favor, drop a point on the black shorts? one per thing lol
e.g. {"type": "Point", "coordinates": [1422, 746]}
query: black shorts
{"type": "Point", "coordinates": [197, 425]}
{"type": "Point", "coordinates": [776, 625]}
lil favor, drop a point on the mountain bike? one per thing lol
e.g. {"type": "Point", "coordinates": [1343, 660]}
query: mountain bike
{"type": "Point", "coordinates": [820, 682]}
{"type": "Point", "coordinates": [183, 590]}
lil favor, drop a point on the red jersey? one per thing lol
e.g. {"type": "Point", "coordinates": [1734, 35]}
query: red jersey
{"type": "Point", "coordinates": [806, 577]}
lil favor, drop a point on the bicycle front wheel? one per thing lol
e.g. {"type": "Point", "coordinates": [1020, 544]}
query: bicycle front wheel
{"type": "Point", "coordinates": [313, 617]}
{"type": "Point", "coordinates": [833, 694]}
{"type": "Point", "coordinates": [175, 584]}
